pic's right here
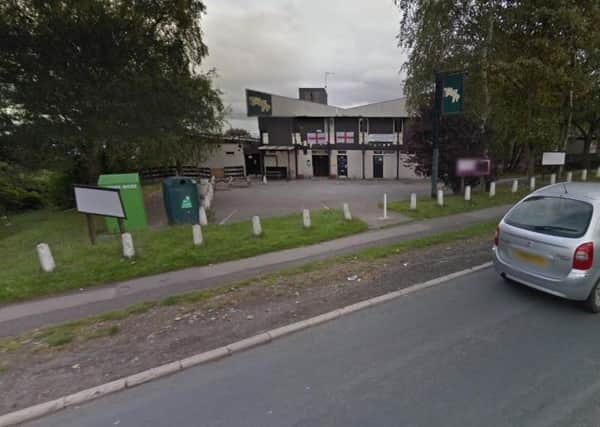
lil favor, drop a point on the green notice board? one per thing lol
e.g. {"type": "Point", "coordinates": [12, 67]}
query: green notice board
{"type": "Point", "coordinates": [133, 200]}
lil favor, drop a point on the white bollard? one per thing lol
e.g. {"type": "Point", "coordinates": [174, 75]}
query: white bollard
{"type": "Point", "coordinates": [385, 206]}
{"type": "Point", "coordinates": [468, 193]}
{"type": "Point", "coordinates": [493, 189]}
{"type": "Point", "coordinates": [532, 183]}
{"type": "Point", "coordinates": [515, 186]}
{"type": "Point", "coordinates": [306, 218]}
{"type": "Point", "coordinates": [347, 214]}
{"type": "Point", "coordinates": [256, 227]}
{"type": "Point", "coordinates": [569, 176]}
{"type": "Point", "coordinates": [264, 179]}
{"type": "Point", "coordinates": [197, 234]}
{"type": "Point", "coordinates": [128, 248]}
{"type": "Point", "coordinates": [598, 172]}
{"type": "Point", "coordinates": [202, 216]}
{"type": "Point", "coordinates": [584, 175]}
{"type": "Point", "coordinates": [440, 198]}
{"type": "Point", "coordinates": [213, 180]}
{"type": "Point", "coordinates": [413, 201]}
{"type": "Point", "coordinates": [206, 203]}
{"type": "Point", "coordinates": [46, 259]}
{"type": "Point", "coordinates": [553, 179]}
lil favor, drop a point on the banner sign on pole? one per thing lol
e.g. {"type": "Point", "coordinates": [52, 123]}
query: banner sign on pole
{"type": "Point", "coordinates": [452, 96]}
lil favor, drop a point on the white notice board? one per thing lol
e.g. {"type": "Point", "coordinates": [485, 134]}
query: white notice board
{"type": "Point", "coordinates": [99, 201]}
{"type": "Point", "coordinates": [553, 159]}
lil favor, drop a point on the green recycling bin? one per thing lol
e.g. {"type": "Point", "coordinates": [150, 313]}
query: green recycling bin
{"type": "Point", "coordinates": [133, 200]}
{"type": "Point", "coordinates": [180, 195]}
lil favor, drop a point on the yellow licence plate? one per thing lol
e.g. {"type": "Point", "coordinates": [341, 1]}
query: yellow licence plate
{"type": "Point", "coordinates": [531, 258]}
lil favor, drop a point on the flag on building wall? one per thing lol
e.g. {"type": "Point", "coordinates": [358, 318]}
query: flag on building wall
{"type": "Point", "coordinates": [344, 137]}
{"type": "Point", "coordinates": [316, 137]}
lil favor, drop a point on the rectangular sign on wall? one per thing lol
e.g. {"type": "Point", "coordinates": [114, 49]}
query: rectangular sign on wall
{"type": "Point", "coordinates": [99, 201]}
{"type": "Point", "coordinates": [258, 103]}
{"type": "Point", "coordinates": [553, 159]}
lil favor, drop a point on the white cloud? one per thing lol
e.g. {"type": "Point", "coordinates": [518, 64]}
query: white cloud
{"type": "Point", "coordinates": [278, 46]}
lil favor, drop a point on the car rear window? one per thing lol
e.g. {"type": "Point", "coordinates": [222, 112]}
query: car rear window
{"type": "Point", "coordinates": [556, 216]}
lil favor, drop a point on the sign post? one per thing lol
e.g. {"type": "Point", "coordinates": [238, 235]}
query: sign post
{"type": "Point", "coordinates": [448, 99]}
{"type": "Point", "coordinates": [553, 159]}
{"type": "Point", "coordinates": [99, 201]}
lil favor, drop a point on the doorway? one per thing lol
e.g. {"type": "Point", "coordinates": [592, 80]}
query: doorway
{"type": "Point", "coordinates": [320, 165]}
{"type": "Point", "coordinates": [342, 165]}
{"type": "Point", "coordinates": [253, 164]}
{"type": "Point", "coordinates": [378, 166]}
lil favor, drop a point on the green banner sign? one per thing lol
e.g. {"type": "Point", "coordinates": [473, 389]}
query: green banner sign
{"type": "Point", "coordinates": [452, 95]}
{"type": "Point", "coordinates": [258, 103]}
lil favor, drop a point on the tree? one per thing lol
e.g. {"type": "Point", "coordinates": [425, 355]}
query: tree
{"type": "Point", "coordinates": [459, 137]}
{"type": "Point", "coordinates": [93, 83]}
{"type": "Point", "coordinates": [524, 59]}
{"type": "Point", "coordinates": [237, 133]}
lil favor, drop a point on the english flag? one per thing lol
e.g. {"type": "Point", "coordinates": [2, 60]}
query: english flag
{"type": "Point", "coordinates": [344, 137]}
{"type": "Point", "coordinates": [316, 137]}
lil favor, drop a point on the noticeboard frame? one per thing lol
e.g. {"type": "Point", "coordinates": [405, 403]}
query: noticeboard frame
{"type": "Point", "coordinates": [92, 187]}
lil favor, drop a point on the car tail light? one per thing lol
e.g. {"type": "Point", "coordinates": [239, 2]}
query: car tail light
{"type": "Point", "coordinates": [584, 256]}
{"type": "Point", "coordinates": [497, 236]}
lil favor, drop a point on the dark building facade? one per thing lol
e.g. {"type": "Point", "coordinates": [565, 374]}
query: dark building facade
{"type": "Point", "coordinates": [306, 137]}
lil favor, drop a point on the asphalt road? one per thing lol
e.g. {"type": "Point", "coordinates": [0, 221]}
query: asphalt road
{"type": "Point", "coordinates": [285, 197]}
{"type": "Point", "coordinates": [471, 352]}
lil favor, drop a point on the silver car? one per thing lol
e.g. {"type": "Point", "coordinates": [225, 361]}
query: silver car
{"type": "Point", "coordinates": [547, 240]}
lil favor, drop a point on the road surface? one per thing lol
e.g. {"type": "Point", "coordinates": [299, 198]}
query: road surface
{"type": "Point", "coordinates": [474, 351]}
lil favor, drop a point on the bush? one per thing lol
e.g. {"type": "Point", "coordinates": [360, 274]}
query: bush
{"type": "Point", "coordinates": [18, 191]}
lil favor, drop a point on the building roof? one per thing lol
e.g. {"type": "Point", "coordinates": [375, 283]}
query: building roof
{"type": "Point", "coordinates": [283, 106]}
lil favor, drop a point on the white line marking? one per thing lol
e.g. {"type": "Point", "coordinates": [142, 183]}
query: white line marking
{"type": "Point", "coordinates": [227, 218]}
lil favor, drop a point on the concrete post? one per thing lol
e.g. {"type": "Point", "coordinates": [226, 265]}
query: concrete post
{"type": "Point", "coordinates": [515, 185]}
{"type": "Point", "coordinates": [197, 234]}
{"type": "Point", "coordinates": [385, 206]}
{"type": "Point", "coordinates": [553, 179]}
{"type": "Point", "coordinates": [256, 227]}
{"type": "Point", "coordinates": [493, 189]}
{"type": "Point", "coordinates": [584, 175]}
{"type": "Point", "coordinates": [532, 183]}
{"type": "Point", "coordinates": [202, 216]}
{"type": "Point", "coordinates": [213, 180]}
{"type": "Point", "coordinates": [46, 259]}
{"type": "Point", "coordinates": [347, 214]}
{"type": "Point", "coordinates": [440, 198]}
{"type": "Point", "coordinates": [264, 179]}
{"type": "Point", "coordinates": [413, 201]}
{"type": "Point", "coordinates": [306, 218]}
{"type": "Point", "coordinates": [569, 176]}
{"type": "Point", "coordinates": [128, 248]}
{"type": "Point", "coordinates": [468, 193]}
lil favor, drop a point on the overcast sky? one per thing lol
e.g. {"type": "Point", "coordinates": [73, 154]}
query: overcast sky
{"type": "Point", "coordinates": [277, 46]}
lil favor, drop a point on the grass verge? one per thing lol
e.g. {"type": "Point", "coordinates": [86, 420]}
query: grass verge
{"type": "Point", "coordinates": [454, 204]}
{"type": "Point", "coordinates": [81, 265]}
{"type": "Point", "coordinates": [106, 324]}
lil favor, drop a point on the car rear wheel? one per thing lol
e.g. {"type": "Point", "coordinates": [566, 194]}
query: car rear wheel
{"type": "Point", "coordinates": [592, 304]}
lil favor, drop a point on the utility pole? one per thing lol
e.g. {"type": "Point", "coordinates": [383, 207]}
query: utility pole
{"type": "Point", "coordinates": [435, 130]}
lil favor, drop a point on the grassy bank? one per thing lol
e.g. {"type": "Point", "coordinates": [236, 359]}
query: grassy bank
{"type": "Point", "coordinates": [108, 323]}
{"type": "Point", "coordinates": [81, 265]}
{"type": "Point", "coordinates": [455, 203]}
